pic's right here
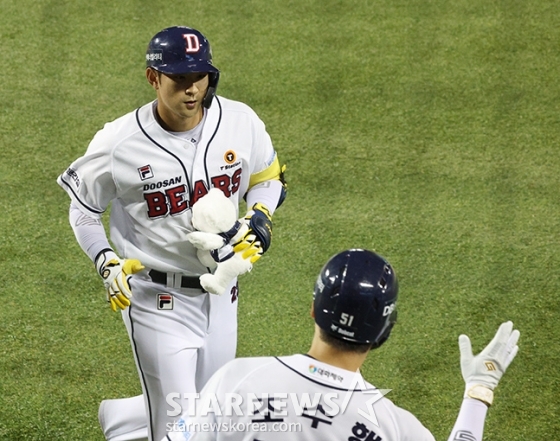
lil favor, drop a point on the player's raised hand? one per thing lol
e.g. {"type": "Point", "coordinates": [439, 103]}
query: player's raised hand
{"type": "Point", "coordinates": [115, 273]}
{"type": "Point", "coordinates": [483, 371]}
{"type": "Point", "coordinates": [258, 237]}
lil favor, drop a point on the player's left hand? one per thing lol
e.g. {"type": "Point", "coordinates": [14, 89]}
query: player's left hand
{"type": "Point", "coordinates": [258, 237]}
{"type": "Point", "coordinates": [115, 273]}
{"type": "Point", "coordinates": [486, 369]}
{"type": "Point", "coordinates": [219, 245]}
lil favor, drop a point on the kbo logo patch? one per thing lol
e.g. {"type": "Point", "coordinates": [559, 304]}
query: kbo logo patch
{"type": "Point", "coordinates": [165, 301]}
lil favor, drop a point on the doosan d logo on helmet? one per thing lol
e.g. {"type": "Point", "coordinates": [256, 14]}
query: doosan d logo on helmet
{"type": "Point", "coordinates": [389, 309]}
{"type": "Point", "coordinates": [193, 45]}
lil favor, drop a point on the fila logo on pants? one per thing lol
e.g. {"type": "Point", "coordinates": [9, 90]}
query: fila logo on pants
{"type": "Point", "coordinates": [165, 301]}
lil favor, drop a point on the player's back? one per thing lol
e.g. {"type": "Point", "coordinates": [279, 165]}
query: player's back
{"type": "Point", "coordinates": [297, 398]}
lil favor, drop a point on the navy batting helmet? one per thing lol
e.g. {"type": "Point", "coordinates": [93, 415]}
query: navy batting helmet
{"type": "Point", "coordinates": [355, 297]}
{"type": "Point", "coordinates": [180, 50]}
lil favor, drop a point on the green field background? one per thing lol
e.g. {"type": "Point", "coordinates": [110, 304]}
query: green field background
{"type": "Point", "coordinates": [426, 130]}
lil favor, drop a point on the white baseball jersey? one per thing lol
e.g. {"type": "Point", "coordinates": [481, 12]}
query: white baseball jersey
{"type": "Point", "coordinates": [153, 177]}
{"type": "Point", "coordinates": [295, 398]}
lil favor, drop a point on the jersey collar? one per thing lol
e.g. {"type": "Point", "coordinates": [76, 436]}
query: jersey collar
{"type": "Point", "coordinates": [324, 373]}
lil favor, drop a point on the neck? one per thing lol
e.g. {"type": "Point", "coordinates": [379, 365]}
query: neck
{"type": "Point", "coordinates": [351, 361]}
{"type": "Point", "coordinates": [171, 124]}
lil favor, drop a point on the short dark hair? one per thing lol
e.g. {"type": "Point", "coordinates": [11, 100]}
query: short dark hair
{"type": "Point", "coordinates": [343, 345]}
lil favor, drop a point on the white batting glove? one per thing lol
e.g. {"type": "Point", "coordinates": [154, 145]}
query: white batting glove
{"type": "Point", "coordinates": [483, 371]}
{"type": "Point", "coordinates": [115, 273]}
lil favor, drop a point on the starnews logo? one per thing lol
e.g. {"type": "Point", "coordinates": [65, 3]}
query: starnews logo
{"type": "Point", "coordinates": [270, 408]}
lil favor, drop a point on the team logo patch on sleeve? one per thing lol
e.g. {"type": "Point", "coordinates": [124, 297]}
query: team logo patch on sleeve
{"type": "Point", "coordinates": [165, 301]}
{"type": "Point", "coordinates": [145, 172]}
{"type": "Point", "coordinates": [72, 173]}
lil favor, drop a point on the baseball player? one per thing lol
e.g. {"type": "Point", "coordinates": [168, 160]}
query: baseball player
{"type": "Point", "coordinates": [322, 395]}
{"type": "Point", "coordinates": [152, 165]}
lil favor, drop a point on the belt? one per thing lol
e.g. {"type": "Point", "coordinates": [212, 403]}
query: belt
{"type": "Point", "coordinates": [174, 280]}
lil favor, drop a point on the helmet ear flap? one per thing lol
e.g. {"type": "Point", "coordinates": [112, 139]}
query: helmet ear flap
{"type": "Point", "coordinates": [213, 78]}
{"type": "Point", "coordinates": [385, 334]}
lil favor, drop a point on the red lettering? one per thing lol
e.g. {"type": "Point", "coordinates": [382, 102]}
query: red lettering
{"type": "Point", "coordinates": [235, 181]}
{"type": "Point", "coordinates": [177, 200]}
{"type": "Point", "coordinates": [157, 204]}
{"type": "Point", "coordinates": [222, 182]}
{"type": "Point", "coordinates": [172, 202]}
{"type": "Point", "coordinates": [198, 191]}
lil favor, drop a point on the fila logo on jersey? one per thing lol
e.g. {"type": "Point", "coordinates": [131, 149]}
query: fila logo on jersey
{"type": "Point", "coordinates": [192, 43]}
{"type": "Point", "coordinates": [145, 172]}
{"type": "Point", "coordinates": [165, 301]}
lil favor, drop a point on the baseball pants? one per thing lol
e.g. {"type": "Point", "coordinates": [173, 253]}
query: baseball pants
{"type": "Point", "coordinates": [179, 338]}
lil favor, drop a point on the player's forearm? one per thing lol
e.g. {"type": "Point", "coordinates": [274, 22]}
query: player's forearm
{"type": "Point", "coordinates": [470, 421]}
{"type": "Point", "coordinates": [89, 232]}
{"type": "Point", "coordinates": [267, 193]}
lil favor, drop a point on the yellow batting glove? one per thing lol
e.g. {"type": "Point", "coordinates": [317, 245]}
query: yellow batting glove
{"type": "Point", "coordinates": [249, 247]}
{"type": "Point", "coordinates": [258, 237]}
{"type": "Point", "coordinates": [116, 273]}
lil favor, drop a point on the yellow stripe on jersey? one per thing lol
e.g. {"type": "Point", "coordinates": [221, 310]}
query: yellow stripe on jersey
{"type": "Point", "coordinates": [271, 173]}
